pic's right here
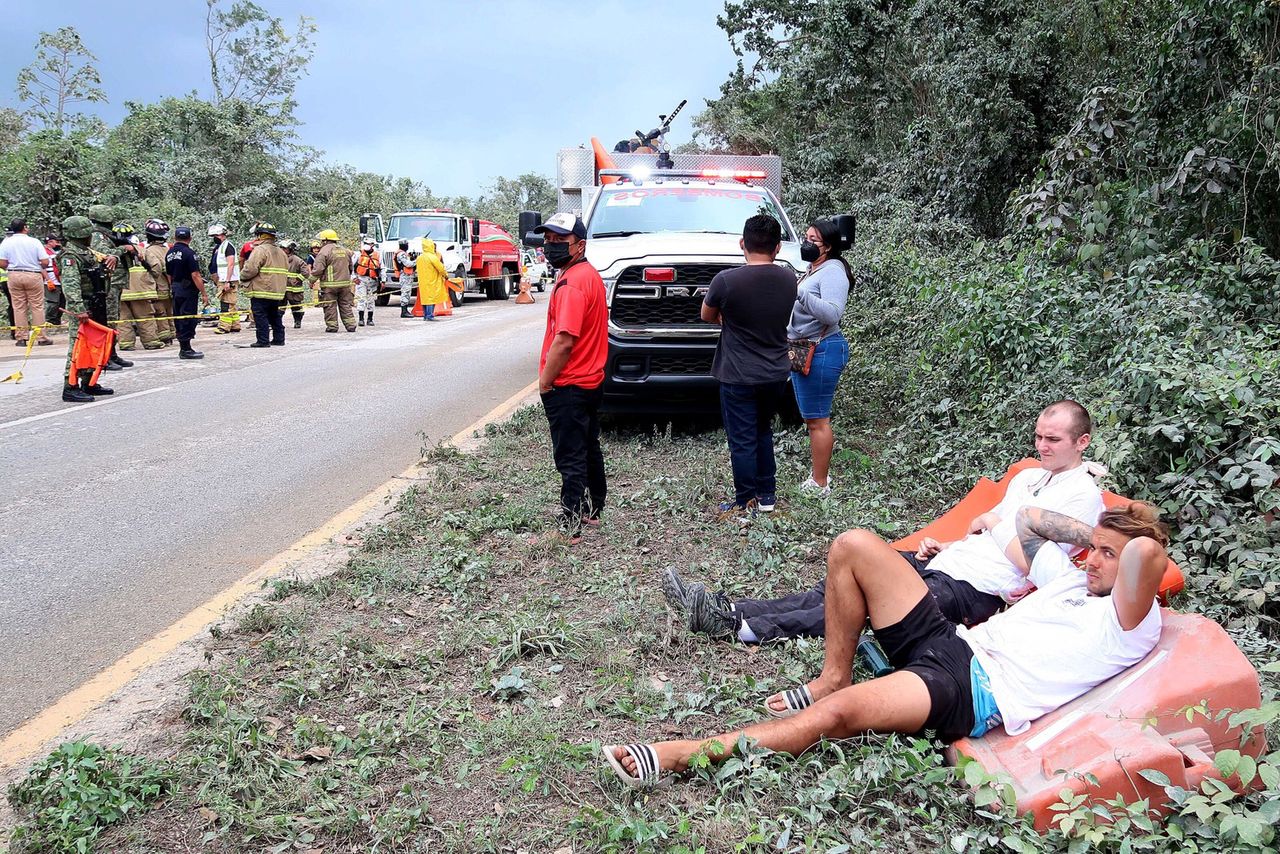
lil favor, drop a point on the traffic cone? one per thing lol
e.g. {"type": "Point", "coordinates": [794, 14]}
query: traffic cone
{"type": "Point", "coordinates": [444, 308]}
{"type": "Point", "coordinates": [524, 297]}
{"type": "Point", "coordinates": [417, 303]}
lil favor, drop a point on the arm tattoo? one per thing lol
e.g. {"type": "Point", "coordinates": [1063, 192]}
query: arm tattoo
{"type": "Point", "coordinates": [1037, 526]}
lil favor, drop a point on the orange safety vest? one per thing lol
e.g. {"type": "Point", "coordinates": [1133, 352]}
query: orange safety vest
{"type": "Point", "coordinates": [368, 265]}
{"type": "Point", "coordinates": [402, 269]}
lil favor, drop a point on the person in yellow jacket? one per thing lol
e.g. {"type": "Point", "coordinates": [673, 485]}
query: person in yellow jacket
{"type": "Point", "coordinates": [332, 273]}
{"type": "Point", "coordinates": [265, 277]}
{"type": "Point", "coordinates": [433, 282]}
{"type": "Point", "coordinates": [157, 233]}
{"type": "Point", "coordinates": [135, 300]}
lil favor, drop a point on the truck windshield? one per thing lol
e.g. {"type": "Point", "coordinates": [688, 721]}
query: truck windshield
{"type": "Point", "coordinates": [641, 210]}
{"type": "Point", "coordinates": [438, 228]}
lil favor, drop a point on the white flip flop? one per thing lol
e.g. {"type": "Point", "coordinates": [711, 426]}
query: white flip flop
{"type": "Point", "coordinates": [795, 699]}
{"type": "Point", "coordinates": [650, 776]}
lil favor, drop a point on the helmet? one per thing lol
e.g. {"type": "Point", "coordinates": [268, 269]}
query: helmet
{"type": "Point", "coordinates": [217, 231]}
{"type": "Point", "coordinates": [368, 243]}
{"type": "Point", "coordinates": [101, 213]}
{"type": "Point", "coordinates": [327, 234]}
{"type": "Point", "coordinates": [404, 244]}
{"type": "Point", "coordinates": [156, 228]}
{"type": "Point", "coordinates": [122, 233]}
{"type": "Point", "coordinates": [288, 245]}
{"type": "Point", "coordinates": [264, 228]}
{"type": "Point", "coordinates": [315, 244]}
{"type": "Point", "coordinates": [77, 228]}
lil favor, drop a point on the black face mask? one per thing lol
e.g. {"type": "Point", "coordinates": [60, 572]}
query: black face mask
{"type": "Point", "coordinates": [809, 252]}
{"type": "Point", "coordinates": [558, 254]}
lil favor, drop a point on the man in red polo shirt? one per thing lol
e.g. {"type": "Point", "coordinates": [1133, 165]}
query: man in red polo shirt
{"type": "Point", "coordinates": [571, 372]}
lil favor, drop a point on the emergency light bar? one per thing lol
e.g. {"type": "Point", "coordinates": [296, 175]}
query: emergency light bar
{"type": "Point", "coordinates": [644, 173]}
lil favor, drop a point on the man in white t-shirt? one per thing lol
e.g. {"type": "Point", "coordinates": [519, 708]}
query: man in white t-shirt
{"type": "Point", "coordinates": [224, 269]}
{"type": "Point", "coordinates": [1076, 630]}
{"type": "Point", "coordinates": [971, 578]}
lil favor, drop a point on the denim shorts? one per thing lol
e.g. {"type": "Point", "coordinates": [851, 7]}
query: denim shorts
{"type": "Point", "coordinates": [816, 390]}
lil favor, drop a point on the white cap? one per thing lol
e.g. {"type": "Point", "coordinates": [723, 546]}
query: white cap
{"type": "Point", "coordinates": [563, 223]}
{"type": "Point", "coordinates": [216, 230]}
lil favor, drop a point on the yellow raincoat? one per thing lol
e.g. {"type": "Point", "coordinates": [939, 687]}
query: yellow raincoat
{"type": "Point", "coordinates": [432, 287]}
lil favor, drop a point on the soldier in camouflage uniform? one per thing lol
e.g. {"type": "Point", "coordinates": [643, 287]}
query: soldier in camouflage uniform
{"type": "Point", "coordinates": [104, 245]}
{"type": "Point", "coordinates": [83, 278]}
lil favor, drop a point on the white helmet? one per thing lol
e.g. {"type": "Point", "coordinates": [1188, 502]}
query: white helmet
{"type": "Point", "coordinates": [368, 243]}
{"type": "Point", "coordinates": [217, 231]}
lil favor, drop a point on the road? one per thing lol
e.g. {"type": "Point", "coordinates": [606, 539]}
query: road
{"type": "Point", "coordinates": [120, 516]}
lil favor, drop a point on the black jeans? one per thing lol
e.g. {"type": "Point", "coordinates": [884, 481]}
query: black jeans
{"type": "Point", "coordinates": [747, 412]}
{"type": "Point", "coordinates": [186, 300]}
{"type": "Point", "coordinates": [268, 323]}
{"type": "Point", "coordinates": [573, 414]}
{"type": "Point", "coordinates": [804, 614]}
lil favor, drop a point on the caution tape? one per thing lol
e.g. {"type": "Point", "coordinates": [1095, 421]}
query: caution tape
{"type": "Point", "coordinates": [16, 376]}
{"type": "Point", "coordinates": [214, 315]}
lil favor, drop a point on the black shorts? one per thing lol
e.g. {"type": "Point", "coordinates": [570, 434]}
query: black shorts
{"type": "Point", "coordinates": [959, 601]}
{"type": "Point", "coordinates": [926, 643]}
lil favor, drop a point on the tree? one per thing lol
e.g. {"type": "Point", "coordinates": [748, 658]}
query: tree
{"type": "Point", "coordinates": [253, 57]}
{"type": "Point", "coordinates": [62, 75]}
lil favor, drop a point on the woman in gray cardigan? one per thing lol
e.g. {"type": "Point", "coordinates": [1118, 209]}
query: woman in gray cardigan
{"type": "Point", "coordinates": [820, 301]}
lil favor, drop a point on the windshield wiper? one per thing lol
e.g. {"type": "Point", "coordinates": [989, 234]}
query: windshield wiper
{"type": "Point", "coordinates": [616, 233]}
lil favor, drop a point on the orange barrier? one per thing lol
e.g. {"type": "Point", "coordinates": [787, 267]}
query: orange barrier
{"type": "Point", "coordinates": [1134, 722]}
{"type": "Point", "coordinates": [986, 494]}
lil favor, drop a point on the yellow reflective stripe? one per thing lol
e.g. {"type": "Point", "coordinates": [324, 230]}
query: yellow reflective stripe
{"type": "Point", "coordinates": [129, 296]}
{"type": "Point", "coordinates": [265, 294]}
{"type": "Point", "coordinates": [284, 271]}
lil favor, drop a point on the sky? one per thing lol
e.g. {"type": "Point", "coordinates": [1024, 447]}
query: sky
{"type": "Point", "coordinates": [453, 94]}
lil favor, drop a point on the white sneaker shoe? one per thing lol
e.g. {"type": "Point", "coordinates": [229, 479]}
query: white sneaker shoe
{"type": "Point", "coordinates": [812, 487]}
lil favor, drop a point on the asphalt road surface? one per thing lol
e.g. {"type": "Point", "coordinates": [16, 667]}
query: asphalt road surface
{"type": "Point", "coordinates": [119, 516]}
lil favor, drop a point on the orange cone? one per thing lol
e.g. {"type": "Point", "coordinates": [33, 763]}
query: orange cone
{"type": "Point", "coordinates": [444, 308]}
{"type": "Point", "coordinates": [417, 303]}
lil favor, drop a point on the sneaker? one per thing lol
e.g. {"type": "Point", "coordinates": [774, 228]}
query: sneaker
{"type": "Point", "coordinates": [766, 503]}
{"type": "Point", "coordinates": [674, 588]}
{"type": "Point", "coordinates": [812, 487]}
{"type": "Point", "coordinates": [710, 613]}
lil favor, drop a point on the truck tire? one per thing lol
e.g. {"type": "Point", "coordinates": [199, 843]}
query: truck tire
{"type": "Point", "coordinates": [456, 297]}
{"type": "Point", "coordinates": [501, 287]}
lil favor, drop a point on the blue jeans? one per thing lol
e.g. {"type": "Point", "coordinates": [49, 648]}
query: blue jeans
{"type": "Point", "coordinates": [816, 390]}
{"type": "Point", "coordinates": [748, 411]}
{"type": "Point", "coordinates": [429, 312]}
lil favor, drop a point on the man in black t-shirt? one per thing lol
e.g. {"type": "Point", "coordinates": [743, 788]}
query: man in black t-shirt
{"type": "Point", "coordinates": [187, 284]}
{"type": "Point", "coordinates": [752, 304]}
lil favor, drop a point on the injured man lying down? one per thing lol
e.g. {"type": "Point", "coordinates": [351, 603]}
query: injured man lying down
{"type": "Point", "coordinates": [1078, 628]}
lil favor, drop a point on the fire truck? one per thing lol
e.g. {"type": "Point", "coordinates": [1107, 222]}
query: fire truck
{"type": "Point", "coordinates": [479, 252]}
{"type": "Point", "coordinates": [659, 228]}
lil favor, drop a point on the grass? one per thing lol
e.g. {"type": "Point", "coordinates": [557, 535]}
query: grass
{"type": "Point", "coordinates": [449, 688]}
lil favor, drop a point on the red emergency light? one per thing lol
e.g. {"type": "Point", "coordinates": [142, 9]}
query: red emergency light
{"type": "Point", "coordinates": [659, 274]}
{"type": "Point", "coordinates": [735, 174]}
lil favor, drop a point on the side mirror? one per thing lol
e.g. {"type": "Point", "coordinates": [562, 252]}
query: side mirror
{"type": "Point", "coordinates": [475, 231]}
{"type": "Point", "coordinates": [364, 224]}
{"type": "Point", "coordinates": [847, 225]}
{"type": "Point", "coordinates": [529, 220]}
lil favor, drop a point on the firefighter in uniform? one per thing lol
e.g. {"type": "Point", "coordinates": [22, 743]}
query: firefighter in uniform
{"type": "Point", "coordinates": [295, 293]}
{"type": "Point", "coordinates": [83, 278]}
{"type": "Point", "coordinates": [135, 297]}
{"type": "Point", "coordinates": [332, 272]}
{"type": "Point", "coordinates": [115, 257]}
{"type": "Point", "coordinates": [368, 275]}
{"type": "Point", "coordinates": [406, 275]}
{"type": "Point", "coordinates": [157, 232]}
{"type": "Point", "coordinates": [265, 276]}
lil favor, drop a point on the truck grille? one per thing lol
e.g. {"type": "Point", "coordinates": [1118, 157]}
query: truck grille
{"type": "Point", "coordinates": [698, 364]}
{"type": "Point", "coordinates": [679, 303]}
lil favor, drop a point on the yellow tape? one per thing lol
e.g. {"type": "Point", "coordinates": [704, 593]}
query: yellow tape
{"type": "Point", "coordinates": [16, 376]}
{"type": "Point", "coordinates": [216, 315]}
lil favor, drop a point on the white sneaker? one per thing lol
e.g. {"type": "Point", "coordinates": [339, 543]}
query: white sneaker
{"type": "Point", "coordinates": [812, 487]}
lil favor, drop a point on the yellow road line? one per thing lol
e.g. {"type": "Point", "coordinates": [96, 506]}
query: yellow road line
{"type": "Point", "coordinates": [27, 739]}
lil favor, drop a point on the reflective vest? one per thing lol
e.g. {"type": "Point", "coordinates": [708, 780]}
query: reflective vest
{"type": "Point", "coordinates": [368, 265]}
{"type": "Point", "coordinates": [139, 285]}
{"type": "Point", "coordinates": [404, 267]}
{"type": "Point", "coordinates": [265, 275]}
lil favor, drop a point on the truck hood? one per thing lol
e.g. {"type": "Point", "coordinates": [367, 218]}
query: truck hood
{"type": "Point", "coordinates": [610, 255]}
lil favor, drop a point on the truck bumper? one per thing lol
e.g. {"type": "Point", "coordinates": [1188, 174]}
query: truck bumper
{"type": "Point", "coordinates": [642, 377]}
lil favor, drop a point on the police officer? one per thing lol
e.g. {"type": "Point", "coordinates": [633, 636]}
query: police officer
{"type": "Point", "coordinates": [182, 269]}
{"type": "Point", "coordinates": [114, 258]}
{"type": "Point", "coordinates": [295, 291]}
{"type": "Point", "coordinates": [265, 275]}
{"type": "Point", "coordinates": [83, 277]}
{"type": "Point", "coordinates": [332, 270]}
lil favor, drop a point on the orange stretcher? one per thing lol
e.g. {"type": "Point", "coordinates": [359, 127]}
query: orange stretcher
{"type": "Point", "coordinates": [1136, 721]}
{"type": "Point", "coordinates": [954, 524]}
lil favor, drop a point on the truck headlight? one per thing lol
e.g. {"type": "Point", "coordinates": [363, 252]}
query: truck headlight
{"type": "Point", "coordinates": [609, 286]}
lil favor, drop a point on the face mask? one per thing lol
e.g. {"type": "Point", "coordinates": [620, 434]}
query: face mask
{"type": "Point", "coordinates": [809, 251]}
{"type": "Point", "coordinates": [558, 254]}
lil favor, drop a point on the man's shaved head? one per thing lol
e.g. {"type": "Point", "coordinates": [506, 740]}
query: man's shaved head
{"type": "Point", "coordinates": [1081, 421]}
